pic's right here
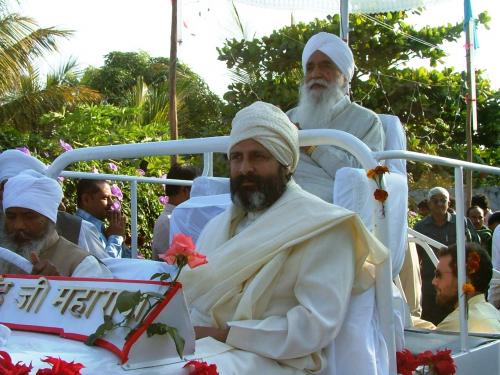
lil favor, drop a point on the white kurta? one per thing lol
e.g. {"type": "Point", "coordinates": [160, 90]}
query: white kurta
{"type": "Point", "coordinates": [282, 284]}
{"type": "Point", "coordinates": [316, 173]}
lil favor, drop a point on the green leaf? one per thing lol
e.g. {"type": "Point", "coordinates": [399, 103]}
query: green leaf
{"type": "Point", "coordinates": [157, 329]}
{"type": "Point", "coordinates": [178, 340]}
{"type": "Point", "coordinates": [128, 300]}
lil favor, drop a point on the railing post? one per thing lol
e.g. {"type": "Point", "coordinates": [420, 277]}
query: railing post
{"type": "Point", "coordinates": [133, 218]}
{"type": "Point", "coordinates": [208, 164]}
{"type": "Point", "coordinates": [460, 228]}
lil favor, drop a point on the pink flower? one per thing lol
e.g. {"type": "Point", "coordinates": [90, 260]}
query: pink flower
{"type": "Point", "coordinates": [163, 199]}
{"type": "Point", "coordinates": [9, 368]}
{"type": "Point", "coordinates": [140, 172]}
{"type": "Point", "coordinates": [65, 146]}
{"type": "Point", "coordinates": [61, 179]}
{"type": "Point", "coordinates": [116, 206]}
{"type": "Point", "coordinates": [116, 191]}
{"type": "Point", "coordinates": [182, 252]}
{"type": "Point", "coordinates": [24, 150]}
{"type": "Point", "coordinates": [60, 367]}
{"type": "Point", "coordinates": [95, 170]}
{"type": "Point", "coordinates": [113, 167]}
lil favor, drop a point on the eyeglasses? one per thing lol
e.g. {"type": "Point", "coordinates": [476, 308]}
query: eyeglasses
{"type": "Point", "coordinates": [439, 274]}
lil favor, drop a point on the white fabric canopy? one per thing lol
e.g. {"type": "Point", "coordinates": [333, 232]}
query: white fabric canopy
{"type": "Point", "coordinates": [355, 6]}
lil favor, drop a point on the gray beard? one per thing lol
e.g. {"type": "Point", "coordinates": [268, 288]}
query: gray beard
{"type": "Point", "coordinates": [24, 250]}
{"type": "Point", "coordinates": [315, 108]}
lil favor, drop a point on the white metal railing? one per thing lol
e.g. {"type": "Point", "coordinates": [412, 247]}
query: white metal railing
{"type": "Point", "coordinates": [358, 149]}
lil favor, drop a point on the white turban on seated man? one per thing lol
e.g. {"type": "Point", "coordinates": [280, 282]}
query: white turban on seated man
{"type": "Point", "coordinates": [328, 65]}
{"type": "Point", "coordinates": [30, 202]}
{"type": "Point", "coordinates": [282, 263]}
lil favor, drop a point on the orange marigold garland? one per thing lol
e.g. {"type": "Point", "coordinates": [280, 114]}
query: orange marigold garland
{"type": "Point", "coordinates": [468, 289]}
{"type": "Point", "coordinates": [376, 174]}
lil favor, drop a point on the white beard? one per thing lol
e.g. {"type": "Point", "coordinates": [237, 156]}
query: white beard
{"type": "Point", "coordinates": [315, 106]}
{"type": "Point", "coordinates": [32, 246]}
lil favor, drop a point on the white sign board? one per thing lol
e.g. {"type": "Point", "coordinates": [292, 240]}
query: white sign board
{"type": "Point", "coordinates": [74, 307]}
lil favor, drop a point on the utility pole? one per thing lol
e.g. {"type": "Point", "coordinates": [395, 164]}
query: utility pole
{"type": "Point", "coordinates": [471, 123]}
{"type": "Point", "coordinates": [172, 79]}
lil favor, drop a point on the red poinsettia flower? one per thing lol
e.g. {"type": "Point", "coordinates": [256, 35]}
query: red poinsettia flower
{"type": "Point", "coordinates": [183, 251]}
{"type": "Point", "coordinates": [380, 195]}
{"type": "Point", "coordinates": [406, 362]}
{"type": "Point", "coordinates": [9, 368]}
{"type": "Point", "coordinates": [60, 367]}
{"type": "Point", "coordinates": [201, 368]}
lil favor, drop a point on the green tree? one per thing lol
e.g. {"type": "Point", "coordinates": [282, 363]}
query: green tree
{"type": "Point", "coordinates": [430, 102]}
{"type": "Point", "coordinates": [136, 79]}
{"type": "Point", "coordinates": [23, 98]}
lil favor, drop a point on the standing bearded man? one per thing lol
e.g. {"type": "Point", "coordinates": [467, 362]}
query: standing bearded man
{"type": "Point", "coordinates": [328, 66]}
{"type": "Point", "coordinates": [282, 263]}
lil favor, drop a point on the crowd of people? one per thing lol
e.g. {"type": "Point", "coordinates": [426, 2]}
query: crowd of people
{"type": "Point", "coordinates": [283, 261]}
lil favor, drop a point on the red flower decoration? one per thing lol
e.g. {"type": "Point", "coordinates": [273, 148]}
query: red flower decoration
{"type": "Point", "coordinates": [201, 368]}
{"type": "Point", "coordinates": [406, 362]}
{"type": "Point", "coordinates": [380, 195]}
{"type": "Point", "coordinates": [9, 368]}
{"type": "Point", "coordinates": [443, 363]}
{"type": "Point", "coordinates": [182, 251]}
{"type": "Point", "coordinates": [473, 260]}
{"type": "Point", "coordinates": [60, 367]}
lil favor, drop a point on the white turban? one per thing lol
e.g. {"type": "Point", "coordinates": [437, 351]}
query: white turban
{"type": "Point", "coordinates": [335, 48]}
{"type": "Point", "coordinates": [438, 190]}
{"type": "Point", "coordinates": [33, 190]}
{"type": "Point", "coordinates": [268, 125]}
{"type": "Point", "coordinates": [13, 162]}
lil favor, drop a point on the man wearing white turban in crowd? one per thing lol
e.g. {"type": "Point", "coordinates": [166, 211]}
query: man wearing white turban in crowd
{"type": "Point", "coordinates": [282, 263]}
{"type": "Point", "coordinates": [328, 66]}
{"type": "Point", "coordinates": [71, 227]}
{"type": "Point", "coordinates": [30, 203]}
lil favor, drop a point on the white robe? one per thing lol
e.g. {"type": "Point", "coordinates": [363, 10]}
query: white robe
{"type": "Point", "coordinates": [316, 173]}
{"type": "Point", "coordinates": [282, 284]}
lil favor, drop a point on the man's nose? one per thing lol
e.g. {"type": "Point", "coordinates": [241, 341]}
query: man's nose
{"type": "Point", "coordinates": [246, 167]}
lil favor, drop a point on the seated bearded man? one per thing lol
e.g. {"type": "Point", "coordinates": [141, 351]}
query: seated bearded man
{"type": "Point", "coordinates": [30, 202]}
{"type": "Point", "coordinates": [328, 66]}
{"type": "Point", "coordinates": [282, 263]}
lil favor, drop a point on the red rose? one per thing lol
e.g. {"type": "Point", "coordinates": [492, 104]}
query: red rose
{"type": "Point", "coordinates": [182, 251]}
{"type": "Point", "coordinates": [201, 368]}
{"type": "Point", "coordinates": [380, 195]}
{"type": "Point", "coordinates": [60, 367]}
{"type": "Point", "coordinates": [9, 368]}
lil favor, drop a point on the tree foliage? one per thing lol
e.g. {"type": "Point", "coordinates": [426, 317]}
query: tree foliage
{"type": "Point", "coordinates": [23, 97]}
{"type": "Point", "coordinates": [136, 79]}
{"type": "Point", "coordinates": [430, 102]}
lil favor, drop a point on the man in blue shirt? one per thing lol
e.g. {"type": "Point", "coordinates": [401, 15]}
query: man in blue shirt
{"type": "Point", "coordinates": [95, 204]}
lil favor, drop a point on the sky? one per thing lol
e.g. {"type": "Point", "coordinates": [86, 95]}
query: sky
{"type": "Point", "coordinates": [102, 26]}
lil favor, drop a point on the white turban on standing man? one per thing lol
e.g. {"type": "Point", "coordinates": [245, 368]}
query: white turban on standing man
{"type": "Point", "coordinates": [328, 66]}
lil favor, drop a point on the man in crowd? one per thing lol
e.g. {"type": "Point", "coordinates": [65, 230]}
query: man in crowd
{"type": "Point", "coordinates": [482, 316]}
{"type": "Point", "coordinates": [95, 204]}
{"type": "Point", "coordinates": [476, 216]}
{"type": "Point", "coordinates": [282, 264]}
{"type": "Point", "coordinates": [328, 66]}
{"type": "Point", "coordinates": [30, 202]}
{"type": "Point", "coordinates": [176, 195]}
{"type": "Point", "coordinates": [440, 226]}
{"type": "Point", "coordinates": [71, 227]}
{"type": "Point", "coordinates": [481, 200]}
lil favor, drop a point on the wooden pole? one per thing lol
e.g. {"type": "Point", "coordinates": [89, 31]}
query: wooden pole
{"type": "Point", "coordinates": [172, 79]}
{"type": "Point", "coordinates": [471, 123]}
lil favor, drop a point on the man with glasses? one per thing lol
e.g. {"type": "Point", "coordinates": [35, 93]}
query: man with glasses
{"type": "Point", "coordinates": [439, 225]}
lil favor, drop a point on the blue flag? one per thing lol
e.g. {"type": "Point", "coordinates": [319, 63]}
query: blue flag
{"type": "Point", "coordinates": [469, 17]}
